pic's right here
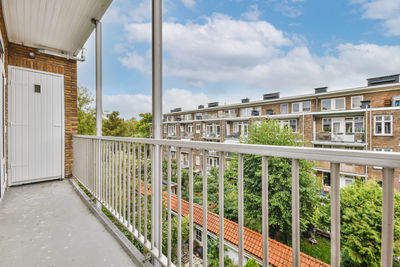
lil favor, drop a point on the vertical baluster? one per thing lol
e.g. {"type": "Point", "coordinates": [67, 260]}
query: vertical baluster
{"type": "Point", "coordinates": [140, 188]}
{"type": "Point", "coordinates": [160, 204]}
{"type": "Point", "coordinates": [179, 221]}
{"type": "Point", "coordinates": [146, 197]}
{"type": "Point", "coordinates": [190, 208]}
{"type": "Point", "coordinates": [240, 210]}
{"type": "Point", "coordinates": [295, 213]}
{"type": "Point", "coordinates": [169, 203]}
{"type": "Point", "coordinates": [205, 207]}
{"type": "Point", "coordinates": [129, 184]}
{"type": "Point", "coordinates": [134, 186]}
{"type": "Point", "coordinates": [124, 215]}
{"type": "Point", "coordinates": [119, 180]}
{"type": "Point", "coordinates": [221, 208]}
{"type": "Point", "coordinates": [265, 210]}
{"type": "Point", "coordinates": [113, 175]}
{"type": "Point", "coordinates": [152, 240]}
{"type": "Point", "coordinates": [335, 215]}
{"type": "Point", "coordinates": [387, 217]}
{"type": "Point", "coordinates": [108, 175]}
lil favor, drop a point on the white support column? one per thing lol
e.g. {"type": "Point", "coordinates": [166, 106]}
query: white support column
{"type": "Point", "coordinates": [99, 79]}
{"type": "Point", "coordinates": [335, 215]}
{"type": "Point", "coordinates": [99, 95]}
{"type": "Point", "coordinates": [387, 217]}
{"type": "Point", "coordinates": [157, 118]}
{"type": "Point", "coordinates": [295, 213]}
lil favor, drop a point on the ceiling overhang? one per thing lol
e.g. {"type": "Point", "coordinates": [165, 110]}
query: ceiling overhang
{"type": "Point", "coordinates": [62, 26]}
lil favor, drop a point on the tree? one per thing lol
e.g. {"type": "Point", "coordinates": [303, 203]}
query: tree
{"type": "Point", "coordinates": [213, 254]}
{"type": "Point", "coordinates": [279, 183]}
{"type": "Point", "coordinates": [113, 125]}
{"type": "Point", "coordinates": [142, 128]}
{"type": "Point", "coordinates": [86, 112]}
{"type": "Point", "coordinates": [251, 263]}
{"type": "Point", "coordinates": [361, 223]}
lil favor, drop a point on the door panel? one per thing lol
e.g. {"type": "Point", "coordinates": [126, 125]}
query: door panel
{"type": "Point", "coordinates": [36, 125]}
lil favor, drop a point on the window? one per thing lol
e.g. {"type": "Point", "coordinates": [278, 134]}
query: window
{"type": "Point", "coordinates": [189, 128]}
{"type": "Point", "coordinates": [381, 150]}
{"type": "Point", "coordinates": [212, 162]}
{"type": "Point", "coordinates": [220, 113]}
{"type": "Point", "coordinates": [198, 116]}
{"type": "Point", "coordinates": [326, 176]}
{"type": "Point", "coordinates": [245, 112]}
{"type": "Point", "coordinates": [333, 104]}
{"type": "Point", "coordinates": [301, 107]}
{"type": "Point", "coordinates": [199, 235]}
{"type": "Point", "coordinates": [296, 107]}
{"type": "Point", "coordinates": [188, 117]}
{"type": "Point", "coordinates": [241, 128]}
{"type": "Point", "coordinates": [289, 123]}
{"type": "Point", "coordinates": [198, 160]}
{"type": "Point", "coordinates": [326, 104]}
{"type": "Point", "coordinates": [356, 101]}
{"type": "Point", "coordinates": [230, 113]}
{"type": "Point", "coordinates": [213, 130]}
{"type": "Point", "coordinates": [182, 129]}
{"type": "Point", "coordinates": [349, 125]}
{"type": "Point", "coordinates": [284, 108]}
{"type": "Point", "coordinates": [396, 101]}
{"type": "Point", "coordinates": [198, 128]}
{"type": "Point", "coordinates": [359, 124]}
{"type": "Point", "coordinates": [326, 125]}
{"type": "Point", "coordinates": [383, 125]}
{"type": "Point", "coordinates": [165, 128]}
{"type": "Point", "coordinates": [306, 106]}
{"type": "Point", "coordinates": [171, 130]}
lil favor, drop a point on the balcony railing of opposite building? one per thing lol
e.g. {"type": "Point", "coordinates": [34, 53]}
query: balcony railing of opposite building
{"type": "Point", "coordinates": [341, 137]}
{"type": "Point", "coordinates": [112, 169]}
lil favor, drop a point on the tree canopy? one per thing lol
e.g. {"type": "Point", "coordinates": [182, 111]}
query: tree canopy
{"type": "Point", "coordinates": [113, 124]}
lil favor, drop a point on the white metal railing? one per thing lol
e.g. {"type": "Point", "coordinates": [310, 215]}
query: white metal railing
{"type": "Point", "coordinates": [113, 170]}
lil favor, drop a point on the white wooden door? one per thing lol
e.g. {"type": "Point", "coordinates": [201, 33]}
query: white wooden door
{"type": "Point", "coordinates": [2, 133]}
{"type": "Point", "coordinates": [36, 126]}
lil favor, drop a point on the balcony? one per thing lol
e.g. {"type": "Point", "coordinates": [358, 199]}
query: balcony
{"type": "Point", "coordinates": [340, 138]}
{"type": "Point", "coordinates": [113, 170]}
{"type": "Point", "coordinates": [186, 135]}
{"type": "Point", "coordinates": [210, 136]}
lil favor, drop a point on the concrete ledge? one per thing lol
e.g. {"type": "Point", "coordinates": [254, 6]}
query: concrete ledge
{"type": "Point", "coordinates": [136, 256]}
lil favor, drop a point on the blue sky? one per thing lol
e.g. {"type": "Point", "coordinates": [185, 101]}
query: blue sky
{"type": "Point", "coordinates": [226, 50]}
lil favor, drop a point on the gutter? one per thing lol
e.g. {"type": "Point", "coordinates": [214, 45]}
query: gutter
{"type": "Point", "coordinates": [67, 56]}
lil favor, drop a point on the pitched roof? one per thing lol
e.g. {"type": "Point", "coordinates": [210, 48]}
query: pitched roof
{"type": "Point", "coordinates": [279, 254]}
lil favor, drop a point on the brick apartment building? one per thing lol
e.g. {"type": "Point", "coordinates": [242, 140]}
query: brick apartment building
{"type": "Point", "coordinates": [363, 118]}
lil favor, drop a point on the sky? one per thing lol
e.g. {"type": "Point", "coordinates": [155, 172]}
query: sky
{"type": "Point", "coordinates": [227, 50]}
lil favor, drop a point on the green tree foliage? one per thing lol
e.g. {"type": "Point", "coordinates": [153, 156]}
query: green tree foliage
{"type": "Point", "coordinates": [279, 183]}
{"type": "Point", "coordinates": [361, 223]}
{"type": "Point", "coordinates": [213, 254]}
{"type": "Point", "coordinates": [113, 124]}
{"type": "Point", "coordinates": [251, 263]}
{"type": "Point", "coordinates": [174, 235]}
{"type": "Point", "coordinates": [86, 112]}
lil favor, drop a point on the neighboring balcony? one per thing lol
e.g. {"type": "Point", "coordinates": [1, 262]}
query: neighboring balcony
{"type": "Point", "coordinates": [339, 138]}
{"type": "Point", "coordinates": [211, 136]}
{"type": "Point", "coordinates": [186, 135]}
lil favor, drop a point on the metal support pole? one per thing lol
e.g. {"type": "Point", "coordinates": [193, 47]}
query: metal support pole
{"type": "Point", "coordinates": [387, 217]}
{"type": "Point", "coordinates": [99, 79]}
{"type": "Point", "coordinates": [99, 85]}
{"type": "Point", "coordinates": [335, 215]}
{"type": "Point", "coordinates": [157, 117]}
{"type": "Point", "coordinates": [295, 213]}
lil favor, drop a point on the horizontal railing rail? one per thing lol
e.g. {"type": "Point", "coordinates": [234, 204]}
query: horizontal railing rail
{"type": "Point", "coordinates": [118, 171]}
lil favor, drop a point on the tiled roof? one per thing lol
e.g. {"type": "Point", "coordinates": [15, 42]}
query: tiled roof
{"type": "Point", "coordinates": [280, 255]}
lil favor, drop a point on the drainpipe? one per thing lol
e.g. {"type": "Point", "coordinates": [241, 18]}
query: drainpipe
{"type": "Point", "coordinates": [157, 121]}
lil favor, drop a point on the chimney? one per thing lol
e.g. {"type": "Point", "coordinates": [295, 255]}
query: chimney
{"type": "Point", "coordinates": [321, 90]}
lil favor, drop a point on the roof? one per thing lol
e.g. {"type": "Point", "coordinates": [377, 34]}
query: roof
{"type": "Point", "coordinates": [279, 254]}
{"type": "Point", "coordinates": [56, 25]}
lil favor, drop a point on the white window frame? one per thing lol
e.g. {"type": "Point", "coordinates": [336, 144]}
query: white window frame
{"type": "Point", "coordinates": [188, 117]}
{"type": "Point", "coordinates": [352, 101]}
{"type": "Point", "coordinates": [198, 128]}
{"type": "Point", "coordinates": [172, 130]}
{"type": "Point", "coordinates": [301, 106]}
{"type": "Point", "coordinates": [197, 160]}
{"type": "Point", "coordinates": [383, 125]}
{"type": "Point", "coordinates": [332, 102]}
{"type": "Point", "coordinates": [199, 235]}
{"type": "Point", "coordinates": [284, 123]}
{"type": "Point", "coordinates": [287, 108]}
{"type": "Point", "coordinates": [326, 100]}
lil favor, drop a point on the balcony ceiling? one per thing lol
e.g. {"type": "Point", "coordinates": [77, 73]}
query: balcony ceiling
{"type": "Point", "coordinates": [57, 25]}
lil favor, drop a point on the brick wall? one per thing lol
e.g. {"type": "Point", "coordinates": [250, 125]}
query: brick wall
{"type": "Point", "coordinates": [18, 56]}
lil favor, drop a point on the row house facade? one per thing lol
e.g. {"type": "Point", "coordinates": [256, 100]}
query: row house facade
{"type": "Point", "coordinates": [363, 118]}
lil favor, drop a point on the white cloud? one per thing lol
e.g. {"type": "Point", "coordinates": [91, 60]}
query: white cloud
{"type": "Point", "coordinates": [288, 8]}
{"type": "Point", "coordinates": [257, 57]}
{"type": "Point", "coordinates": [252, 14]}
{"type": "Point", "coordinates": [188, 3]}
{"type": "Point", "coordinates": [134, 61]}
{"type": "Point", "coordinates": [388, 11]}
{"type": "Point", "coordinates": [131, 105]}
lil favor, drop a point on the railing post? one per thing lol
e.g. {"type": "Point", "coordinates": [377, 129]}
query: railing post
{"type": "Point", "coordinates": [295, 213]}
{"type": "Point", "coordinates": [335, 215]}
{"type": "Point", "coordinates": [157, 121]}
{"type": "Point", "coordinates": [387, 217]}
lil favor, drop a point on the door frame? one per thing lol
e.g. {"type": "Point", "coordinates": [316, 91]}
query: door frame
{"type": "Point", "coordinates": [10, 182]}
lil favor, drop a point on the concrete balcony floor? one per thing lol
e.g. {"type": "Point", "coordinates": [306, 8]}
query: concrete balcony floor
{"type": "Point", "coordinates": [47, 224]}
